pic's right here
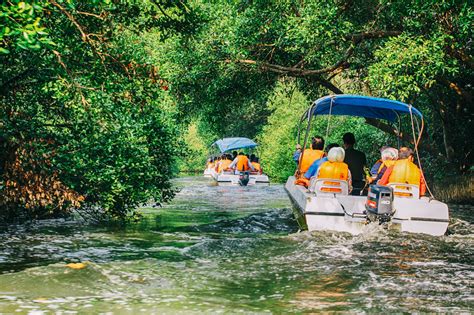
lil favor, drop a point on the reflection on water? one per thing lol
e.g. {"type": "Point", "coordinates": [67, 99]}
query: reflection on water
{"type": "Point", "coordinates": [229, 249]}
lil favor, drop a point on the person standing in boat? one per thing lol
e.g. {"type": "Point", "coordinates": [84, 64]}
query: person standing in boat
{"type": "Point", "coordinates": [404, 171]}
{"type": "Point", "coordinates": [356, 161]}
{"type": "Point", "coordinates": [308, 156]}
{"type": "Point", "coordinates": [335, 168]}
{"type": "Point", "coordinates": [241, 163]}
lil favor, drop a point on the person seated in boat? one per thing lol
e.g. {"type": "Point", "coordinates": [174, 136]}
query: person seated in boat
{"type": "Point", "coordinates": [404, 171]}
{"type": "Point", "coordinates": [296, 155]}
{"type": "Point", "coordinates": [313, 169]}
{"type": "Point", "coordinates": [224, 163]}
{"type": "Point", "coordinates": [256, 164]}
{"type": "Point", "coordinates": [375, 168]}
{"type": "Point", "coordinates": [211, 163]}
{"type": "Point", "coordinates": [241, 163]}
{"type": "Point", "coordinates": [388, 157]}
{"type": "Point", "coordinates": [234, 155]}
{"type": "Point", "coordinates": [217, 160]}
{"type": "Point", "coordinates": [335, 168]}
{"type": "Point", "coordinates": [356, 161]}
{"type": "Point", "coordinates": [308, 156]}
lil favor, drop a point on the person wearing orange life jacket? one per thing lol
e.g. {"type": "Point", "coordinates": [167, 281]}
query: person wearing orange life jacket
{"type": "Point", "coordinates": [404, 171]}
{"type": "Point", "coordinates": [211, 164]}
{"type": "Point", "coordinates": [335, 168]}
{"type": "Point", "coordinates": [241, 163]}
{"type": "Point", "coordinates": [308, 156]}
{"type": "Point", "coordinates": [224, 164]}
{"type": "Point", "coordinates": [375, 168]}
{"type": "Point", "coordinates": [389, 156]}
{"type": "Point", "coordinates": [255, 163]}
{"type": "Point", "coordinates": [217, 162]}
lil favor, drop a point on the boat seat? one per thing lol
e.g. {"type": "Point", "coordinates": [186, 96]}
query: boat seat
{"type": "Point", "coordinates": [328, 186]}
{"type": "Point", "coordinates": [405, 190]}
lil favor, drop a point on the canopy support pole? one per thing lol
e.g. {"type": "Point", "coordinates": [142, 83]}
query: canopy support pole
{"type": "Point", "coordinates": [329, 118]}
{"type": "Point", "coordinates": [416, 141]}
{"type": "Point", "coordinates": [310, 116]}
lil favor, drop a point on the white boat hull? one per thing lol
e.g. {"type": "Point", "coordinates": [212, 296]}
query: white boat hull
{"type": "Point", "coordinates": [346, 213]}
{"type": "Point", "coordinates": [207, 172]}
{"type": "Point", "coordinates": [233, 179]}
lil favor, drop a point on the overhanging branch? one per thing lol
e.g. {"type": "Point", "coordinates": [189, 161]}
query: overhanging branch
{"type": "Point", "coordinates": [341, 64]}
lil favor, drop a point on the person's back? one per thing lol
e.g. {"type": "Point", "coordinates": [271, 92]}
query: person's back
{"type": "Point", "coordinates": [242, 163]}
{"type": "Point", "coordinates": [308, 156]}
{"type": "Point", "coordinates": [211, 164]}
{"type": "Point", "coordinates": [224, 164]}
{"type": "Point", "coordinates": [404, 171]}
{"type": "Point", "coordinates": [356, 161]}
{"type": "Point", "coordinates": [335, 168]}
{"type": "Point", "coordinates": [257, 166]}
{"type": "Point", "coordinates": [255, 163]}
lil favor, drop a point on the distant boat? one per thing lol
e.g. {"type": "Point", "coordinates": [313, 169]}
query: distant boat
{"type": "Point", "coordinates": [326, 203]}
{"type": "Point", "coordinates": [235, 177]}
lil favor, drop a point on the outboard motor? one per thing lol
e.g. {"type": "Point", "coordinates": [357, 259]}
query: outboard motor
{"type": "Point", "coordinates": [379, 204]}
{"type": "Point", "coordinates": [244, 178]}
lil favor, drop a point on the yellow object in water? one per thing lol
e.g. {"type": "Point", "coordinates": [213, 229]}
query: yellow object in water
{"type": "Point", "coordinates": [76, 265]}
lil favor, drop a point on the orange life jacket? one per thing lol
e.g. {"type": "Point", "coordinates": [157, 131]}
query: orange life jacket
{"type": "Point", "coordinates": [256, 166]}
{"type": "Point", "coordinates": [210, 165]}
{"type": "Point", "coordinates": [309, 156]}
{"type": "Point", "coordinates": [334, 170]}
{"type": "Point", "coordinates": [405, 171]}
{"type": "Point", "coordinates": [386, 164]}
{"type": "Point", "coordinates": [242, 163]}
{"type": "Point", "coordinates": [223, 165]}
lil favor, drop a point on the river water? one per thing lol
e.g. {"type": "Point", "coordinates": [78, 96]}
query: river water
{"type": "Point", "coordinates": [231, 250]}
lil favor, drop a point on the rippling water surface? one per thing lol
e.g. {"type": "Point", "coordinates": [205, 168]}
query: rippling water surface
{"type": "Point", "coordinates": [233, 249]}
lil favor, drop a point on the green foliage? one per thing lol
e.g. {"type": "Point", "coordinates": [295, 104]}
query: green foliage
{"type": "Point", "coordinates": [20, 25]}
{"type": "Point", "coordinates": [94, 105]}
{"type": "Point", "coordinates": [196, 150]}
{"type": "Point", "coordinates": [416, 51]}
{"type": "Point", "coordinates": [278, 137]}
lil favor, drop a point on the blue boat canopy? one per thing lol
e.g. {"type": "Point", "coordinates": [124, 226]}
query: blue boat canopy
{"type": "Point", "coordinates": [228, 144]}
{"type": "Point", "coordinates": [362, 106]}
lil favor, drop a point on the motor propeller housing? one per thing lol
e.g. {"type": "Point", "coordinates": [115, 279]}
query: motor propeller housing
{"type": "Point", "coordinates": [379, 204]}
{"type": "Point", "coordinates": [244, 178]}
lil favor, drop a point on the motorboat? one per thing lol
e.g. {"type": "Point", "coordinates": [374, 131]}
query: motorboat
{"type": "Point", "coordinates": [327, 205]}
{"type": "Point", "coordinates": [235, 177]}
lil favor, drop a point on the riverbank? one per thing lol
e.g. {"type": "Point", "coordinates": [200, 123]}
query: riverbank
{"type": "Point", "coordinates": [455, 190]}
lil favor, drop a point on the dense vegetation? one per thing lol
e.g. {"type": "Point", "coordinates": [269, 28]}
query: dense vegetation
{"type": "Point", "coordinates": [86, 119]}
{"type": "Point", "coordinates": [100, 97]}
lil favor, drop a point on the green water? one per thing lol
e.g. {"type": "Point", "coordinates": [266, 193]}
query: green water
{"type": "Point", "coordinates": [231, 250]}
